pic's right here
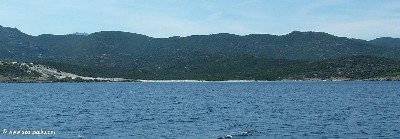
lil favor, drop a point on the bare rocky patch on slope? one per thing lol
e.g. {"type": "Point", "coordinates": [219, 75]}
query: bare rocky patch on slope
{"type": "Point", "coordinates": [30, 72]}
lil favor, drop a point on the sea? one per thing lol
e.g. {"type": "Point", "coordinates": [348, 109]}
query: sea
{"type": "Point", "coordinates": [200, 110]}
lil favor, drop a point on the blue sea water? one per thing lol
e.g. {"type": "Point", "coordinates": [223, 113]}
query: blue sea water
{"type": "Point", "coordinates": [202, 110]}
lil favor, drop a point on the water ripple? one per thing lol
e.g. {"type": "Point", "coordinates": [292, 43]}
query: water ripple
{"type": "Point", "coordinates": [203, 110]}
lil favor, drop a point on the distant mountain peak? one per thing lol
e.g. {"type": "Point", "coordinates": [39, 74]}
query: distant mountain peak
{"type": "Point", "coordinates": [81, 34]}
{"type": "Point", "coordinates": [308, 33]}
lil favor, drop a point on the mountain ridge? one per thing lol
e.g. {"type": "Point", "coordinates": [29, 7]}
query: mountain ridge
{"type": "Point", "coordinates": [217, 56]}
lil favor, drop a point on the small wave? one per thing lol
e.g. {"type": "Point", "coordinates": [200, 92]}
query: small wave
{"type": "Point", "coordinates": [81, 137]}
{"type": "Point", "coordinates": [236, 134]}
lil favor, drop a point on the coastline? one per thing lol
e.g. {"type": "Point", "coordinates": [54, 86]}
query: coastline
{"type": "Point", "coordinates": [196, 81]}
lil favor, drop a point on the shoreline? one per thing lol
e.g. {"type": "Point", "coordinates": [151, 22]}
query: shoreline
{"type": "Point", "coordinates": [198, 81]}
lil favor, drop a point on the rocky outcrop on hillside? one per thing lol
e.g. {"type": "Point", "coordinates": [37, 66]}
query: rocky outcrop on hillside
{"type": "Point", "coordinates": [30, 72]}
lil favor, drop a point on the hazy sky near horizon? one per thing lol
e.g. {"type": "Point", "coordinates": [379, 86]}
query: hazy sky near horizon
{"type": "Point", "coordinates": [364, 19]}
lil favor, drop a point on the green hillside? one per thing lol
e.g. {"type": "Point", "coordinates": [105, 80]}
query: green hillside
{"type": "Point", "coordinates": [353, 68]}
{"type": "Point", "coordinates": [221, 56]}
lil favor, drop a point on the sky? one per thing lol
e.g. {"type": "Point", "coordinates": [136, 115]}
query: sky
{"type": "Point", "coordinates": [362, 19]}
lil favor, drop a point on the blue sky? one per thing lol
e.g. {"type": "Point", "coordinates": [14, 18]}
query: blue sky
{"type": "Point", "coordinates": [364, 19]}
